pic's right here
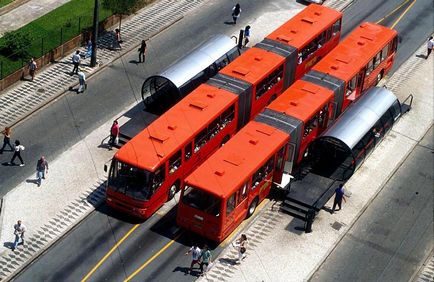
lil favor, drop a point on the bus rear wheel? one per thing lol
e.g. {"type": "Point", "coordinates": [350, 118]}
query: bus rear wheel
{"type": "Point", "coordinates": [252, 207]}
{"type": "Point", "coordinates": [172, 191]}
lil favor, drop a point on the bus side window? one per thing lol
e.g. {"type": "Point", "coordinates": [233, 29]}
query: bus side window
{"type": "Point", "coordinates": [214, 128]}
{"type": "Point", "coordinates": [188, 151]}
{"type": "Point", "coordinates": [158, 178]}
{"type": "Point", "coordinates": [351, 86]}
{"type": "Point", "coordinates": [336, 27]}
{"type": "Point", "coordinates": [242, 193]}
{"type": "Point", "coordinates": [377, 59]}
{"type": "Point", "coordinates": [257, 178]}
{"type": "Point", "coordinates": [200, 140]}
{"type": "Point", "coordinates": [175, 162]}
{"type": "Point", "coordinates": [370, 67]}
{"type": "Point", "coordinates": [385, 52]}
{"type": "Point", "coordinates": [227, 116]}
{"type": "Point", "coordinates": [230, 204]}
{"type": "Point", "coordinates": [268, 82]}
{"type": "Point", "coordinates": [280, 158]}
{"type": "Point", "coordinates": [268, 167]}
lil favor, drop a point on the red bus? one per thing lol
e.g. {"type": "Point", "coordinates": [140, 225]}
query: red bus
{"type": "Point", "coordinates": [227, 187]}
{"type": "Point", "coordinates": [140, 178]}
{"type": "Point", "coordinates": [302, 113]}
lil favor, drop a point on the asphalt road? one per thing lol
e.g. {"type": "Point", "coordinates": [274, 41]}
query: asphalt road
{"type": "Point", "coordinates": [74, 116]}
{"type": "Point", "coordinates": [392, 238]}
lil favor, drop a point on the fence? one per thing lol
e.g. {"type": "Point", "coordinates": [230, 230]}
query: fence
{"type": "Point", "coordinates": [49, 48]}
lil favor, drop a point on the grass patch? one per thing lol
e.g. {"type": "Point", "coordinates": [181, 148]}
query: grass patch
{"type": "Point", "coordinates": [53, 29]}
{"type": "Point", "coordinates": [5, 2]}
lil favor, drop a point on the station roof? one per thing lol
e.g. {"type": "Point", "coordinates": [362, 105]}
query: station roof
{"type": "Point", "coordinates": [228, 168]}
{"type": "Point", "coordinates": [198, 59]}
{"type": "Point", "coordinates": [355, 51]}
{"type": "Point", "coordinates": [305, 26]}
{"type": "Point", "coordinates": [168, 133]}
{"type": "Point", "coordinates": [254, 65]}
{"type": "Point", "coordinates": [302, 100]}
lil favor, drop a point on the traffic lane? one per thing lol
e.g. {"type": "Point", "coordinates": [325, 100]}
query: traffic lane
{"type": "Point", "coordinates": [395, 234]}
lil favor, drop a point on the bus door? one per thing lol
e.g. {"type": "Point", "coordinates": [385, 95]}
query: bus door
{"type": "Point", "coordinates": [281, 166]}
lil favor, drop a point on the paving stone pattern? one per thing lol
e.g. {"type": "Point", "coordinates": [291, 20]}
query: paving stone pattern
{"type": "Point", "coordinates": [338, 4]}
{"type": "Point", "coordinates": [427, 274]}
{"type": "Point", "coordinates": [47, 234]}
{"type": "Point", "coordinates": [21, 100]}
{"type": "Point", "coordinates": [225, 265]}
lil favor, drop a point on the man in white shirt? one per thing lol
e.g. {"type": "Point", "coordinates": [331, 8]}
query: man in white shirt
{"type": "Point", "coordinates": [19, 230]}
{"type": "Point", "coordinates": [76, 62]}
{"type": "Point", "coordinates": [81, 81]}
{"type": "Point", "coordinates": [430, 45]}
{"type": "Point", "coordinates": [195, 256]}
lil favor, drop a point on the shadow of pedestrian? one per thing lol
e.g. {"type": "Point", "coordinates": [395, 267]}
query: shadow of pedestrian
{"type": "Point", "coordinates": [228, 261]}
{"type": "Point", "coordinates": [421, 56]}
{"type": "Point", "coordinates": [184, 270]}
{"type": "Point", "coordinates": [34, 181]}
{"type": "Point", "coordinates": [134, 62]}
{"type": "Point", "coordinates": [229, 23]}
{"type": "Point", "coordinates": [8, 164]}
{"type": "Point", "coordinates": [8, 245]}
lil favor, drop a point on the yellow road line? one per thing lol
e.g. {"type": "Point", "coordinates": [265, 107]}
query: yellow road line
{"type": "Point", "coordinates": [394, 10]}
{"type": "Point", "coordinates": [152, 258]}
{"type": "Point", "coordinates": [405, 12]}
{"type": "Point", "coordinates": [110, 252]}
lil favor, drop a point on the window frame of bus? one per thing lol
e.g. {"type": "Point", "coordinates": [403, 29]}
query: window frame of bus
{"type": "Point", "coordinates": [269, 82]}
{"type": "Point", "coordinates": [159, 172]}
{"type": "Point", "coordinates": [389, 48]}
{"type": "Point", "coordinates": [205, 135]}
{"type": "Point", "coordinates": [175, 162]}
{"type": "Point", "coordinates": [216, 207]}
{"type": "Point", "coordinates": [262, 172]}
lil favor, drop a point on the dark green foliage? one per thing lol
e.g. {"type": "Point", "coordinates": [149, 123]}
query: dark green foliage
{"type": "Point", "coordinates": [16, 44]}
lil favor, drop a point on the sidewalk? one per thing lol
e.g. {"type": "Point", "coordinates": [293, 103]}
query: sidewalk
{"type": "Point", "coordinates": [25, 97]}
{"type": "Point", "coordinates": [27, 12]}
{"type": "Point", "coordinates": [279, 250]}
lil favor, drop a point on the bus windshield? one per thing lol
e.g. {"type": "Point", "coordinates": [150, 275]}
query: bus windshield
{"type": "Point", "coordinates": [201, 200]}
{"type": "Point", "coordinates": [131, 181]}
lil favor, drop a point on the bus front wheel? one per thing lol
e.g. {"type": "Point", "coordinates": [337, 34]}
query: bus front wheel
{"type": "Point", "coordinates": [252, 207]}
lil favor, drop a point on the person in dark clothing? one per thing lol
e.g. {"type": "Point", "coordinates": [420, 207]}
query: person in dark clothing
{"type": "Point", "coordinates": [41, 169]}
{"type": "Point", "coordinates": [236, 11]}
{"type": "Point", "coordinates": [17, 153]}
{"type": "Point", "coordinates": [142, 51]}
{"type": "Point", "coordinates": [339, 196]}
{"type": "Point", "coordinates": [6, 139]}
{"type": "Point", "coordinates": [246, 36]}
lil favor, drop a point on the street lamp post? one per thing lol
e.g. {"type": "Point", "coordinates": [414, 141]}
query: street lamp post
{"type": "Point", "coordinates": [95, 33]}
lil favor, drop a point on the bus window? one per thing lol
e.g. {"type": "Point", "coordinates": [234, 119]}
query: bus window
{"type": "Point", "coordinates": [351, 86]}
{"type": "Point", "coordinates": [188, 151]}
{"type": "Point", "coordinates": [201, 200]}
{"type": "Point", "coordinates": [257, 178]}
{"type": "Point", "coordinates": [268, 167]}
{"type": "Point", "coordinates": [242, 193]}
{"type": "Point", "coordinates": [175, 162]}
{"type": "Point", "coordinates": [370, 67]}
{"type": "Point", "coordinates": [280, 157]}
{"type": "Point", "coordinates": [200, 140]}
{"type": "Point", "coordinates": [268, 82]}
{"type": "Point", "coordinates": [214, 128]}
{"type": "Point", "coordinates": [227, 116]}
{"type": "Point", "coordinates": [230, 205]}
{"type": "Point", "coordinates": [158, 179]}
{"type": "Point", "coordinates": [385, 52]}
{"type": "Point", "coordinates": [377, 59]}
{"type": "Point", "coordinates": [336, 27]}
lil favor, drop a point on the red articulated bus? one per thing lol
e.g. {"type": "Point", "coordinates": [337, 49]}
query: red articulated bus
{"type": "Point", "coordinates": [301, 113]}
{"type": "Point", "coordinates": [151, 167]}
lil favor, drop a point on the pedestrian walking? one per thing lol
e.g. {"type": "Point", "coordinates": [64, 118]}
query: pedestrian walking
{"type": "Point", "coordinates": [81, 81]}
{"type": "Point", "coordinates": [17, 153]}
{"type": "Point", "coordinates": [19, 231]}
{"type": "Point", "coordinates": [246, 35]}
{"type": "Point", "coordinates": [430, 45]}
{"type": "Point", "coordinates": [76, 62]}
{"type": "Point", "coordinates": [6, 139]}
{"type": "Point", "coordinates": [142, 51]}
{"type": "Point", "coordinates": [88, 49]}
{"type": "Point", "coordinates": [195, 255]}
{"type": "Point", "coordinates": [41, 169]}
{"type": "Point", "coordinates": [114, 134]}
{"type": "Point", "coordinates": [32, 68]}
{"type": "Point", "coordinates": [241, 246]}
{"type": "Point", "coordinates": [205, 258]}
{"type": "Point", "coordinates": [236, 11]}
{"type": "Point", "coordinates": [118, 39]}
{"type": "Point", "coordinates": [339, 196]}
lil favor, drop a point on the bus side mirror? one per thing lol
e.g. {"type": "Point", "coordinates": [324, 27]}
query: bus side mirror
{"type": "Point", "coordinates": [105, 168]}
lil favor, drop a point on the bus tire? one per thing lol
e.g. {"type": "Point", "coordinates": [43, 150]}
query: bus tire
{"type": "Point", "coordinates": [224, 140]}
{"type": "Point", "coordinates": [172, 191]}
{"type": "Point", "coordinates": [252, 207]}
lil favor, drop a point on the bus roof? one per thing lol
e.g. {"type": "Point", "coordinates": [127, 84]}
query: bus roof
{"type": "Point", "coordinates": [254, 65]}
{"type": "Point", "coordinates": [302, 100]}
{"type": "Point", "coordinates": [228, 168]}
{"type": "Point", "coordinates": [305, 26]}
{"type": "Point", "coordinates": [355, 51]}
{"type": "Point", "coordinates": [168, 133]}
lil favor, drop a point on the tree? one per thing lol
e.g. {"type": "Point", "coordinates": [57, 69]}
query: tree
{"type": "Point", "coordinates": [16, 43]}
{"type": "Point", "coordinates": [120, 7]}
